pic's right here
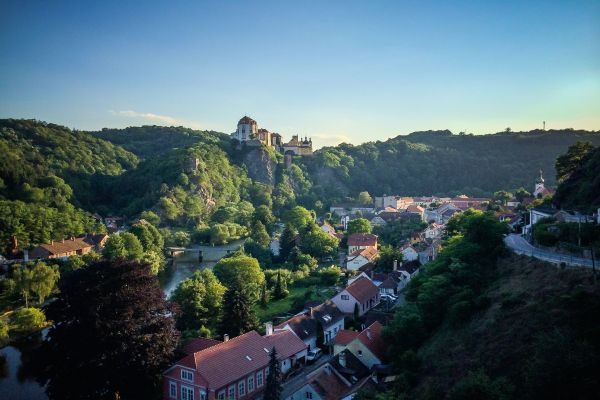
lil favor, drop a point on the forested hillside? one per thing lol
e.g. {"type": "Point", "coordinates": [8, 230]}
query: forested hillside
{"type": "Point", "coordinates": [438, 162]}
{"type": "Point", "coordinates": [150, 141]}
{"type": "Point", "coordinates": [46, 171]}
{"type": "Point", "coordinates": [578, 172]}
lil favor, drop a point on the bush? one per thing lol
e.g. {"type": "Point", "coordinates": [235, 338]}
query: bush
{"type": "Point", "coordinates": [330, 275]}
{"type": "Point", "coordinates": [27, 320]}
{"type": "Point", "coordinates": [3, 332]}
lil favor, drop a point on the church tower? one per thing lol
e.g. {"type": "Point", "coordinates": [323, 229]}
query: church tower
{"type": "Point", "coordinates": [540, 189]}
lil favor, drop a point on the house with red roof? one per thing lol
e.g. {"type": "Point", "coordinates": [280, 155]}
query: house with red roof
{"type": "Point", "coordinates": [361, 241]}
{"type": "Point", "coordinates": [362, 294]}
{"type": "Point", "coordinates": [232, 369]}
{"type": "Point", "coordinates": [368, 345]}
{"type": "Point", "coordinates": [361, 257]}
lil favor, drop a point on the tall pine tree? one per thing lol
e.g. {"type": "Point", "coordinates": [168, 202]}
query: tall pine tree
{"type": "Point", "coordinates": [273, 388]}
{"type": "Point", "coordinates": [238, 311]}
{"type": "Point", "coordinates": [287, 242]}
{"type": "Point", "coordinates": [280, 291]}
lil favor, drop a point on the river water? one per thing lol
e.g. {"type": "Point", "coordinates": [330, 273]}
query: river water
{"type": "Point", "coordinates": [17, 383]}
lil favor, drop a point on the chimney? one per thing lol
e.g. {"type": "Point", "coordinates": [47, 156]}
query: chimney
{"type": "Point", "coordinates": [310, 311]}
{"type": "Point", "coordinates": [342, 359]}
{"type": "Point", "coordinates": [395, 265]}
{"type": "Point", "coordinates": [225, 337]}
{"type": "Point", "coordinates": [268, 328]}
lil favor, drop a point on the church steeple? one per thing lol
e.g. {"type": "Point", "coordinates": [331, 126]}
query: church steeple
{"type": "Point", "coordinates": [540, 179]}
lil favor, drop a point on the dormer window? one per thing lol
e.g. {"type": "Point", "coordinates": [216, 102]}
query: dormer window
{"type": "Point", "coordinates": [187, 375]}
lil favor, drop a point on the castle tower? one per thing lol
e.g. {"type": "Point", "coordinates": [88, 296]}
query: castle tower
{"type": "Point", "coordinates": [247, 129]}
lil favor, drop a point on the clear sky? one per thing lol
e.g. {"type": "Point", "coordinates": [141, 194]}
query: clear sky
{"type": "Point", "coordinates": [335, 70]}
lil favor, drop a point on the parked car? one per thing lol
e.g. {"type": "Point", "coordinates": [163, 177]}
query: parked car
{"type": "Point", "coordinates": [313, 355]}
{"type": "Point", "coordinates": [388, 297]}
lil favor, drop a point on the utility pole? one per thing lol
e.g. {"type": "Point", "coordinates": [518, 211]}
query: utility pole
{"type": "Point", "coordinates": [544, 128]}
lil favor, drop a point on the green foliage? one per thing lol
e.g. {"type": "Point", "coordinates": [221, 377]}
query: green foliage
{"type": "Point", "coordinates": [125, 245]}
{"type": "Point", "coordinates": [287, 241]}
{"type": "Point", "coordinates": [26, 320]}
{"type": "Point", "coordinates": [273, 386]}
{"type": "Point", "coordinates": [387, 256]}
{"type": "Point", "coordinates": [260, 234]}
{"type": "Point", "coordinates": [478, 386]}
{"type": "Point", "coordinates": [365, 198]}
{"type": "Point", "coordinates": [359, 225]}
{"type": "Point", "coordinates": [316, 242]}
{"type": "Point", "coordinates": [298, 217]}
{"type": "Point", "coordinates": [199, 298]}
{"type": "Point", "coordinates": [151, 217]}
{"type": "Point", "coordinates": [238, 313]}
{"type": "Point", "coordinates": [3, 332]}
{"type": "Point", "coordinates": [280, 290]}
{"type": "Point", "coordinates": [264, 297]}
{"type": "Point", "coordinates": [577, 173]}
{"type": "Point", "coordinates": [34, 279]}
{"type": "Point", "coordinates": [396, 232]}
{"type": "Point", "coordinates": [330, 275]}
{"type": "Point", "coordinates": [246, 268]}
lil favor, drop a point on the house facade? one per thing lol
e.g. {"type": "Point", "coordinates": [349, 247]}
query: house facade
{"type": "Point", "coordinates": [362, 294]}
{"type": "Point", "coordinates": [233, 369]}
{"type": "Point", "coordinates": [360, 258]}
{"type": "Point", "coordinates": [361, 241]}
{"type": "Point", "coordinates": [367, 346]}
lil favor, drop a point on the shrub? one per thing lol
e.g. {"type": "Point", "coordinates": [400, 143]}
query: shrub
{"type": "Point", "coordinates": [27, 320]}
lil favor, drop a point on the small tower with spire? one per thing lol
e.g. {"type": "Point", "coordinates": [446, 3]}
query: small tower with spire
{"type": "Point", "coordinates": [540, 189]}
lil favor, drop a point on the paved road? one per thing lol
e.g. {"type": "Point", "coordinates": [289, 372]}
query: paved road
{"type": "Point", "coordinates": [519, 245]}
{"type": "Point", "coordinates": [296, 382]}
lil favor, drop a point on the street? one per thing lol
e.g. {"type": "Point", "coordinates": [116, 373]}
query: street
{"type": "Point", "coordinates": [519, 245]}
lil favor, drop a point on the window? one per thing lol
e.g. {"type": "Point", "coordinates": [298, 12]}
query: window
{"type": "Point", "coordinates": [187, 375]}
{"type": "Point", "coordinates": [187, 393]}
{"type": "Point", "coordinates": [241, 388]}
{"type": "Point", "coordinates": [231, 392]}
{"type": "Point", "coordinates": [345, 297]}
{"type": "Point", "coordinates": [259, 379]}
{"type": "Point", "coordinates": [308, 395]}
{"type": "Point", "coordinates": [221, 395]}
{"type": "Point", "coordinates": [266, 372]}
{"type": "Point", "coordinates": [173, 390]}
{"type": "Point", "coordinates": [202, 394]}
{"type": "Point", "coordinates": [250, 384]}
{"type": "Point", "coordinates": [360, 353]}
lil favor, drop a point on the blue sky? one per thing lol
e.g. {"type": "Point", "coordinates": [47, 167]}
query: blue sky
{"type": "Point", "coordinates": [337, 71]}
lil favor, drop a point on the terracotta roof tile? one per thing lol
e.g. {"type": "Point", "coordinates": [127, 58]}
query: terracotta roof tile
{"type": "Point", "coordinates": [362, 239]}
{"type": "Point", "coordinates": [371, 338]}
{"type": "Point", "coordinates": [344, 337]}
{"type": "Point", "coordinates": [362, 289]}
{"type": "Point", "coordinates": [199, 344]}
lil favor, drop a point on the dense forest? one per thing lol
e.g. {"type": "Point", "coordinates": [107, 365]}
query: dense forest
{"type": "Point", "coordinates": [440, 163]}
{"type": "Point", "coordinates": [53, 178]}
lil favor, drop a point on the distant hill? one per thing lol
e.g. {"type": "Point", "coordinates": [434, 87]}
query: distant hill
{"type": "Point", "coordinates": [439, 162]}
{"type": "Point", "coordinates": [151, 141]}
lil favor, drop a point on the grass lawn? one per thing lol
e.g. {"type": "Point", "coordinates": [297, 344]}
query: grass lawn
{"type": "Point", "coordinates": [283, 306]}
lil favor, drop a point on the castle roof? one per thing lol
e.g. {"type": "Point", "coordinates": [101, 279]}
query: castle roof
{"type": "Point", "coordinates": [246, 120]}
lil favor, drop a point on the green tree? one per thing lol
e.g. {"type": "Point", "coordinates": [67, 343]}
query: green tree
{"type": "Point", "coordinates": [264, 214]}
{"type": "Point", "coordinates": [151, 217]}
{"type": "Point", "coordinates": [359, 225]}
{"type": "Point", "coordinates": [273, 387]}
{"type": "Point", "coordinates": [318, 243]}
{"type": "Point", "coordinates": [43, 280]}
{"type": "Point", "coordinates": [260, 234]}
{"type": "Point", "coordinates": [298, 217]}
{"type": "Point", "coordinates": [114, 247]}
{"type": "Point", "coordinates": [246, 268]}
{"type": "Point", "coordinates": [238, 312]}
{"type": "Point", "coordinates": [200, 299]}
{"type": "Point", "coordinates": [112, 339]}
{"type": "Point", "coordinates": [26, 320]}
{"type": "Point", "coordinates": [521, 193]}
{"type": "Point", "coordinates": [3, 333]}
{"type": "Point", "coordinates": [132, 245]}
{"type": "Point", "coordinates": [502, 196]}
{"type": "Point", "coordinates": [280, 290]}
{"type": "Point", "coordinates": [287, 241]}
{"type": "Point", "coordinates": [365, 198]}
{"type": "Point", "coordinates": [264, 296]}
{"type": "Point", "coordinates": [387, 256]}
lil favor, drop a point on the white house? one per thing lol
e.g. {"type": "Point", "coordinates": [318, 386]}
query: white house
{"type": "Point", "coordinates": [367, 346]}
{"type": "Point", "coordinates": [409, 253]}
{"type": "Point", "coordinates": [362, 294]}
{"type": "Point", "coordinates": [361, 241]}
{"type": "Point", "coordinates": [434, 230]}
{"type": "Point", "coordinates": [360, 258]}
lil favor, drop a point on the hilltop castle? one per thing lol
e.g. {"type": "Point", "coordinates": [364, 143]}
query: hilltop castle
{"type": "Point", "coordinates": [248, 133]}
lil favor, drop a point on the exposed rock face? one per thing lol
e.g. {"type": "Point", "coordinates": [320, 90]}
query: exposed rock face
{"type": "Point", "coordinates": [261, 167]}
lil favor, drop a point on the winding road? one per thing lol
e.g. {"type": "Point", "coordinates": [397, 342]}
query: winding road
{"type": "Point", "coordinates": [519, 245]}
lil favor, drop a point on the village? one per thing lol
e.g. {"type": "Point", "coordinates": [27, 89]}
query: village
{"type": "Point", "coordinates": [334, 348]}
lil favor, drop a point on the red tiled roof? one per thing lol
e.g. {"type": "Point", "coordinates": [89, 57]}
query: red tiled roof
{"type": "Point", "coordinates": [413, 208]}
{"type": "Point", "coordinates": [229, 361]}
{"type": "Point", "coordinates": [328, 385]}
{"type": "Point", "coordinates": [369, 253]}
{"type": "Point", "coordinates": [344, 337]}
{"type": "Point", "coordinates": [371, 338]}
{"type": "Point", "coordinates": [246, 120]}
{"type": "Point", "coordinates": [62, 247]}
{"type": "Point", "coordinates": [199, 344]}
{"type": "Point", "coordinates": [286, 343]}
{"type": "Point", "coordinates": [362, 239]}
{"type": "Point", "coordinates": [362, 289]}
